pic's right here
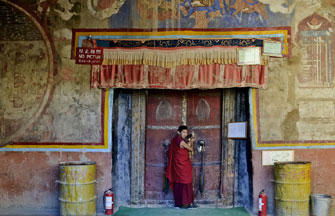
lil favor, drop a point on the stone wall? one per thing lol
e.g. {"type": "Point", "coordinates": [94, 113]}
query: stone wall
{"type": "Point", "coordinates": [28, 179]}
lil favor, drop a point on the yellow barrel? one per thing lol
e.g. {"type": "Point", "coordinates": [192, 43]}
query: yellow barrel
{"type": "Point", "coordinates": [292, 188]}
{"type": "Point", "coordinates": [77, 188]}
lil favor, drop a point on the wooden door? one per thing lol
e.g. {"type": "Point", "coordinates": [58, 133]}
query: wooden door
{"type": "Point", "coordinates": [201, 112]}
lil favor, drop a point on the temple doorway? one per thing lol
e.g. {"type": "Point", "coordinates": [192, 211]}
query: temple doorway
{"type": "Point", "coordinates": [144, 122]}
{"type": "Point", "coordinates": [201, 112]}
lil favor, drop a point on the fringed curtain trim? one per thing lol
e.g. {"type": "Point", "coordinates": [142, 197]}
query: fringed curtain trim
{"type": "Point", "coordinates": [208, 76]}
{"type": "Point", "coordinates": [168, 58]}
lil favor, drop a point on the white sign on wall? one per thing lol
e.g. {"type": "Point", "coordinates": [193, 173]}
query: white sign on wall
{"type": "Point", "coordinates": [237, 130]}
{"type": "Point", "coordinates": [272, 48]}
{"type": "Point", "coordinates": [270, 157]}
{"type": "Point", "coordinates": [249, 56]}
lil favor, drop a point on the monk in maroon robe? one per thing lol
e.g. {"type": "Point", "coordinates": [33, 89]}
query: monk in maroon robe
{"type": "Point", "coordinates": [179, 169]}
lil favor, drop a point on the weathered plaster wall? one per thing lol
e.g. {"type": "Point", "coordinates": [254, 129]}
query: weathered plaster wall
{"type": "Point", "coordinates": [303, 109]}
{"type": "Point", "coordinates": [45, 96]}
{"type": "Point", "coordinates": [28, 179]}
{"type": "Point", "coordinates": [322, 178]}
{"type": "Point", "coordinates": [298, 104]}
{"type": "Point", "coordinates": [54, 106]}
{"type": "Point", "coordinates": [297, 110]}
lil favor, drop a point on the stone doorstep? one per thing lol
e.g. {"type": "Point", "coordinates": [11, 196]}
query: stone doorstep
{"type": "Point", "coordinates": [170, 203]}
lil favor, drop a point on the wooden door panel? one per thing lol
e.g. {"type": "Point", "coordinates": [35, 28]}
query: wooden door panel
{"type": "Point", "coordinates": [213, 147]}
{"type": "Point", "coordinates": [164, 115]}
{"type": "Point", "coordinates": [154, 184]}
{"type": "Point", "coordinates": [154, 146]}
{"type": "Point", "coordinates": [204, 118]}
{"type": "Point", "coordinates": [154, 179]}
{"type": "Point", "coordinates": [204, 108]}
{"type": "Point", "coordinates": [163, 108]}
{"type": "Point", "coordinates": [212, 177]}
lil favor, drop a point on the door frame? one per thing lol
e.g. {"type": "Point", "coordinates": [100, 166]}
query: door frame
{"type": "Point", "coordinates": [228, 182]}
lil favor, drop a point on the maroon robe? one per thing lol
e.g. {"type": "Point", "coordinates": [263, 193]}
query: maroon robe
{"type": "Point", "coordinates": [179, 173]}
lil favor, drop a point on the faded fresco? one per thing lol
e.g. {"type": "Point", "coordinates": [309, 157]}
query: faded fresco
{"type": "Point", "coordinates": [305, 82]}
{"type": "Point", "coordinates": [45, 97]}
{"type": "Point", "coordinates": [204, 14]}
{"type": "Point", "coordinates": [23, 77]}
{"type": "Point", "coordinates": [315, 37]}
{"type": "Point", "coordinates": [46, 103]}
{"type": "Point", "coordinates": [68, 117]}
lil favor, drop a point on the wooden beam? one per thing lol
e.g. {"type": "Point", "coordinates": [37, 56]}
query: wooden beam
{"type": "Point", "coordinates": [121, 148]}
{"type": "Point", "coordinates": [137, 147]}
{"type": "Point", "coordinates": [227, 187]}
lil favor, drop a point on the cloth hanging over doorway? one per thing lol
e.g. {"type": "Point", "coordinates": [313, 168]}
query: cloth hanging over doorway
{"type": "Point", "coordinates": [182, 77]}
{"type": "Point", "coordinates": [176, 64]}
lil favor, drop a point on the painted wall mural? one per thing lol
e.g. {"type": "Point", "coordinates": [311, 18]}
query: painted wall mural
{"type": "Point", "coordinates": [103, 9]}
{"type": "Point", "coordinates": [163, 10]}
{"type": "Point", "coordinates": [306, 120]}
{"type": "Point", "coordinates": [41, 109]}
{"type": "Point", "coordinates": [19, 82]}
{"type": "Point", "coordinates": [204, 14]}
{"type": "Point", "coordinates": [315, 36]}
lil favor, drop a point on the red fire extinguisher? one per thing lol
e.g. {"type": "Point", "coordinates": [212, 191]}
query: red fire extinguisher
{"type": "Point", "coordinates": [262, 203]}
{"type": "Point", "coordinates": [109, 202]}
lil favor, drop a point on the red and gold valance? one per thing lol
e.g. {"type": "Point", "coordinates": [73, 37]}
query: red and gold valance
{"type": "Point", "coordinates": [207, 76]}
{"type": "Point", "coordinates": [177, 64]}
{"type": "Point", "coordinates": [169, 58]}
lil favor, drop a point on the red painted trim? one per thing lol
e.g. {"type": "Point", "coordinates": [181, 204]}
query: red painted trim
{"type": "Point", "coordinates": [103, 93]}
{"type": "Point", "coordinates": [56, 143]}
{"type": "Point", "coordinates": [74, 31]}
{"type": "Point", "coordinates": [180, 29]}
{"type": "Point", "coordinates": [73, 43]}
{"type": "Point", "coordinates": [296, 141]}
{"type": "Point", "coordinates": [289, 38]}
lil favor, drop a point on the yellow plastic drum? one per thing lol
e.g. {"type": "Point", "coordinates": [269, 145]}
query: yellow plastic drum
{"type": "Point", "coordinates": [292, 188]}
{"type": "Point", "coordinates": [77, 188]}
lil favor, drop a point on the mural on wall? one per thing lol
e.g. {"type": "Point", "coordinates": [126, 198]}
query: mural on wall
{"type": "Point", "coordinates": [162, 10]}
{"type": "Point", "coordinates": [204, 14]}
{"type": "Point", "coordinates": [27, 71]}
{"type": "Point", "coordinates": [315, 37]}
{"type": "Point", "coordinates": [306, 118]}
{"type": "Point", "coordinates": [103, 9]}
{"type": "Point", "coordinates": [40, 108]}
{"type": "Point", "coordinates": [22, 88]}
